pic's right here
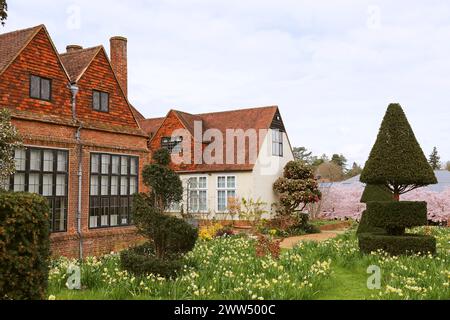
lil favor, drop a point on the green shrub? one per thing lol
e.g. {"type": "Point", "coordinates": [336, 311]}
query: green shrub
{"type": "Point", "coordinates": [373, 192]}
{"type": "Point", "coordinates": [395, 216]}
{"type": "Point", "coordinates": [24, 246]}
{"type": "Point", "coordinates": [303, 226]}
{"type": "Point", "coordinates": [365, 226]}
{"type": "Point", "coordinates": [397, 245]}
{"type": "Point", "coordinates": [142, 261]}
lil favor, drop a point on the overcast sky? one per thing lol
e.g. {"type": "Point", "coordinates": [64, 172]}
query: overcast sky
{"type": "Point", "coordinates": [331, 66]}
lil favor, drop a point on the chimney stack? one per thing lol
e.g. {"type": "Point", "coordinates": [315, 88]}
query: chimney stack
{"type": "Point", "coordinates": [118, 53]}
{"type": "Point", "coordinates": [73, 47]}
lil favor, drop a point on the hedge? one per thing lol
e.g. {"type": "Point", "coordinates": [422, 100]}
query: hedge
{"type": "Point", "coordinates": [397, 215]}
{"type": "Point", "coordinates": [24, 246]}
{"type": "Point", "coordinates": [373, 192]}
{"type": "Point", "coordinates": [397, 245]}
{"type": "Point", "coordinates": [365, 226]}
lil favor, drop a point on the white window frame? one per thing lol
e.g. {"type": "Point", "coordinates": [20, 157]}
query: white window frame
{"type": "Point", "coordinates": [198, 189]}
{"type": "Point", "coordinates": [278, 139]}
{"type": "Point", "coordinates": [226, 189]}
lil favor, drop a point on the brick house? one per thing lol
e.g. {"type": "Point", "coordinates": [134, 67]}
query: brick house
{"type": "Point", "coordinates": [85, 147]}
{"type": "Point", "coordinates": [240, 154]}
{"type": "Point", "coordinates": [86, 144]}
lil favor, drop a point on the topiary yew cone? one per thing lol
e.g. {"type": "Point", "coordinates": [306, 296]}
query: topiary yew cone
{"type": "Point", "coordinates": [397, 160]}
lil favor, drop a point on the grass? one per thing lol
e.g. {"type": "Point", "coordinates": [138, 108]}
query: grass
{"type": "Point", "coordinates": [227, 268]}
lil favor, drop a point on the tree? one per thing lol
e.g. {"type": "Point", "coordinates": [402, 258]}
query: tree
{"type": "Point", "coordinates": [354, 171]}
{"type": "Point", "coordinates": [3, 11]}
{"type": "Point", "coordinates": [340, 160]}
{"type": "Point", "coordinates": [435, 160]}
{"type": "Point", "coordinates": [9, 141]}
{"type": "Point", "coordinates": [329, 171]}
{"type": "Point", "coordinates": [297, 188]}
{"type": "Point", "coordinates": [398, 163]}
{"type": "Point", "coordinates": [397, 160]}
{"type": "Point", "coordinates": [165, 185]}
{"type": "Point", "coordinates": [301, 153]}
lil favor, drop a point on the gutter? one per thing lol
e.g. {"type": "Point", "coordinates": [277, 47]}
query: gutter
{"type": "Point", "coordinates": [74, 90]}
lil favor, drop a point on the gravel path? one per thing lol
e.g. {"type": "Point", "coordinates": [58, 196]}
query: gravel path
{"type": "Point", "coordinates": [291, 242]}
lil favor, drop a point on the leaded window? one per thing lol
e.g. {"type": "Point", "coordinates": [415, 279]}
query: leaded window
{"type": "Point", "coordinates": [197, 194]}
{"type": "Point", "coordinates": [226, 189]}
{"type": "Point", "coordinates": [113, 181]}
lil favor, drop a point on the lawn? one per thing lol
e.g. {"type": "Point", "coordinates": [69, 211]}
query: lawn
{"type": "Point", "coordinates": [228, 268]}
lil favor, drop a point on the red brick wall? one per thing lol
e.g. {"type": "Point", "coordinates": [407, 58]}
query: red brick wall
{"type": "Point", "coordinates": [57, 132]}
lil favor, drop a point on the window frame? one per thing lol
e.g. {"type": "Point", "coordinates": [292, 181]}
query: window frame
{"type": "Point", "coordinates": [100, 101]}
{"type": "Point", "coordinates": [115, 201]}
{"type": "Point", "coordinates": [278, 141]}
{"type": "Point", "coordinates": [197, 190]}
{"type": "Point", "coordinates": [40, 88]}
{"type": "Point", "coordinates": [170, 144]}
{"type": "Point", "coordinates": [41, 172]}
{"type": "Point", "coordinates": [226, 189]}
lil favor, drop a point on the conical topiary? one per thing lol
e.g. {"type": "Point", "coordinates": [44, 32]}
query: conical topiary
{"type": "Point", "coordinates": [396, 159]}
{"type": "Point", "coordinates": [373, 192]}
{"type": "Point", "coordinates": [398, 163]}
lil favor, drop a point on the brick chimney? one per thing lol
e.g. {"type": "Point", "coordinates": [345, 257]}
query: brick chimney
{"type": "Point", "coordinates": [73, 47]}
{"type": "Point", "coordinates": [118, 48]}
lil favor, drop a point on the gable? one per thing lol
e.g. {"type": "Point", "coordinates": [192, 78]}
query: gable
{"type": "Point", "coordinates": [39, 58]}
{"type": "Point", "coordinates": [277, 122]}
{"type": "Point", "coordinates": [100, 76]}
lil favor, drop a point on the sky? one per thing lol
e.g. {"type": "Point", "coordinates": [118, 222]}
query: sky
{"type": "Point", "coordinates": [331, 66]}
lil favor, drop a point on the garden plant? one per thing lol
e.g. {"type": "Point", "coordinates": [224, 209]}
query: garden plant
{"type": "Point", "coordinates": [398, 164]}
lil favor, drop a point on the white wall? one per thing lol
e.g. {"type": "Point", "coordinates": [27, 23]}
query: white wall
{"type": "Point", "coordinates": [256, 184]}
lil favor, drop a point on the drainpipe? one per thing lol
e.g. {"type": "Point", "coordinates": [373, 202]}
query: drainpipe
{"type": "Point", "coordinates": [74, 90]}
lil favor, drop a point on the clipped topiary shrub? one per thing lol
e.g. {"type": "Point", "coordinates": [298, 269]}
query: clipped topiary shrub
{"type": "Point", "coordinates": [395, 245]}
{"type": "Point", "coordinates": [395, 216]}
{"type": "Point", "coordinates": [365, 226]}
{"type": "Point", "coordinates": [24, 246]}
{"type": "Point", "coordinates": [373, 192]}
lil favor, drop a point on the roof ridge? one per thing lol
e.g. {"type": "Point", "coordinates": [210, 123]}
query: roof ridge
{"type": "Point", "coordinates": [21, 30]}
{"type": "Point", "coordinates": [81, 50]}
{"type": "Point", "coordinates": [236, 110]}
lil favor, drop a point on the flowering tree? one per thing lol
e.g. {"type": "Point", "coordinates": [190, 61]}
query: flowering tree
{"type": "Point", "coordinates": [9, 140]}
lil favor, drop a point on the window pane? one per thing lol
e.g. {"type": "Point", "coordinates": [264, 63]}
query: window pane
{"type": "Point", "coordinates": [47, 185]}
{"type": "Point", "coordinates": [4, 184]}
{"type": "Point", "coordinates": [60, 214]}
{"type": "Point", "coordinates": [231, 195]}
{"type": "Point", "coordinates": [202, 183]}
{"type": "Point", "coordinates": [61, 185]}
{"type": "Point", "coordinates": [133, 166]}
{"type": "Point", "coordinates": [62, 161]}
{"type": "Point", "coordinates": [33, 183]}
{"type": "Point", "coordinates": [35, 87]}
{"type": "Point", "coordinates": [193, 201]}
{"type": "Point", "coordinates": [221, 200]}
{"type": "Point", "coordinates": [35, 160]}
{"type": "Point", "coordinates": [124, 186]}
{"type": "Point", "coordinates": [124, 211]}
{"type": "Point", "coordinates": [133, 185]}
{"type": "Point", "coordinates": [115, 165]}
{"type": "Point", "coordinates": [105, 185]}
{"type": "Point", "coordinates": [275, 148]}
{"type": "Point", "coordinates": [94, 163]}
{"type": "Point", "coordinates": [124, 165]}
{"type": "Point", "coordinates": [105, 164]}
{"type": "Point", "coordinates": [94, 212]}
{"type": "Point", "coordinates": [114, 212]}
{"type": "Point", "coordinates": [45, 89]}
{"type": "Point", "coordinates": [19, 182]}
{"type": "Point", "coordinates": [193, 183]}
{"type": "Point", "coordinates": [114, 186]}
{"type": "Point", "coordinates": [202, 201]}
{"type": "Point", "coordinates": [105, 212]}
{"type": "Point", "coordinates": [20, 159]}
{"type": "Point", "coordinates": [96, 100]}
{"type": "Point", "coordinates": [221, 182]}
{"type": "Point", "coordinates": [105, 101]}
{"type": "Point", "coordinates": [48, 160]}
{"type": "Point", "coordinates": [231, 182]}
{"type": "Point", "coordinates": [94, 185]}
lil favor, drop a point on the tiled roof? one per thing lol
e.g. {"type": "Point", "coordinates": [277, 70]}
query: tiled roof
{"type": "Point", "coordinates": [76, 62]}
{"type": "Point", "coordinates": [252, 118]}
{"type": "Point", "coordinates": [12, 43]}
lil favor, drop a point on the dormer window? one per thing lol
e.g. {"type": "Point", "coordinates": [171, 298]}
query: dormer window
{"type": "Point", "coordinates": [40, 88]}
{"type": "Point", "coordinates": [100, 101]}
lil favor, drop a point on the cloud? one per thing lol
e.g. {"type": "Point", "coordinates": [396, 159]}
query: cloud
{"type": "Point", "coordinates": [329, 65]}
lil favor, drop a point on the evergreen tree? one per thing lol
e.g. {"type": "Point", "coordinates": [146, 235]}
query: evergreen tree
{"type": "Point", "coordinates": [301, 153]}
{"type": "Point", "coordinates": [9, 141]}
{"type": "Point", "coordinates": [435, 160]}
{"type": "Point", "coordinates": [3, 11]}
{"type": "Point", "coordinates": [397, 160]}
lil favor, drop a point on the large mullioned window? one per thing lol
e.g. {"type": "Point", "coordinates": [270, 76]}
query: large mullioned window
{"type": "Point", "coordinates": [113, 181]}
{"type": "Point", "coordinates": [197, 194]}
{"type": "Point", "coordinates": [226, 189]}
{"type": "Point", "coordinates": [44, 172]}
